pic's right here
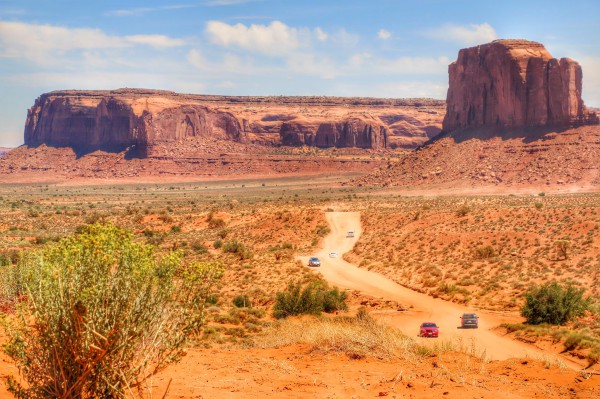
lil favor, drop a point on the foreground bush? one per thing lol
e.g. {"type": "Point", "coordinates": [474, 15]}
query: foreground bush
{"type": "Point", "coordinates": [554, 304]}
{"type": "Point", "coordinates": [101, 314]}
{"type": "Point", "coordinates": [314, 298]}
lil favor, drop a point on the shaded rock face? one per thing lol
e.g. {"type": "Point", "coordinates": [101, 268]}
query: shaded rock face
{"type": "Point", "coordinates": [354, 132]}
{"type": "Point", "coordinates": [114, 123]}
{"type": "Point", "coordinates": [514, 84]}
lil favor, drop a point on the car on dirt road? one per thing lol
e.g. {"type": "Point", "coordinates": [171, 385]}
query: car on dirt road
{"type": "Point", "coordinates": [350, 234]}
{"type": "Point", "coordinates": [314, 262]}
{"type": "Point", "coordinates": [333, 254]}
{"type": "Point", "coordinates": [469, 320]}
{"type": "Point", "coordinates": [429, 329]}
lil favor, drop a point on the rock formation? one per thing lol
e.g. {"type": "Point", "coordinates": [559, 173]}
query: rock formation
{"type": "Point", "coordinates": [118, 119]}
{"type": "Point", "coordinates": [514, 84]}
{"type": "Point", "coordinates": [353, 132]}
{"type": "Point", "coordinates": [121, 119]}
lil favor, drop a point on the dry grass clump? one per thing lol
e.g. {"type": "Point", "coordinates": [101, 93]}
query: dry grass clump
{"type": "Point", "coordinates": [358, 337]}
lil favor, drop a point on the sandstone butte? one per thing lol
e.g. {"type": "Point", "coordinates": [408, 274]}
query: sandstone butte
{"type": "Point", "coordinates": [117, 119]}
{"type": "Point", "coordinates": [514, 84]}
{"type": "Point", "coordinates": [514, 117]}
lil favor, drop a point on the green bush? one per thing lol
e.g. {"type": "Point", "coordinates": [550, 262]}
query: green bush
{"type": "Point", "coordinates": [242, 301]}
{"type": "Point", "coordinates": [101, 314]}
{"type": "Point", "coordinates": [554, 304]}
{"type": "Point", "coordinates": [314, 298]}
{"type": "Point", "coordinates": [235, 247]}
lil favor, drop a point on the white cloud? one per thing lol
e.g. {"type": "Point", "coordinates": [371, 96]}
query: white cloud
{"type": "Point", "coordinates": [158, 41]}
{"type": "Point", "coordinates": [130, 12]}
{"type": "Point", "coordinates": [320, 34]}
{"type": "Point", "coordinates": [384, 34]}
{"type": "Point", "coordinates": [46, 44]}
{"type": "Point", "coordinates": [275, 39]}
{"type": "Point", "coordinates": [469, 35]}
{"type": "Point", "coordinates": [196, 59]}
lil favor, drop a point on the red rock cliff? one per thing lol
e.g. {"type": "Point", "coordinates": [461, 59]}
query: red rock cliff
{"type": "Point", "coordinates": [121, 118]}
{"type": "Point", "coordinates": [117, 119]}
{"type": "Point", "coordinates": [514, 84]}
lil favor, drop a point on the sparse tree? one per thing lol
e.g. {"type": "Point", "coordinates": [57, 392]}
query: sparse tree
{"type": "Point", "coordinates": [562, 247]}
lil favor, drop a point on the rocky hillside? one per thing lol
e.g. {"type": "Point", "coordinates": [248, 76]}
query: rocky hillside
{"type": "Point", "coordinates": [4, 150]}
{"type": "Point", "coordinates": [115, 120]}
{"type": "Point", "coordinates": [538, 158]}
{"type": "Point", "coordinates": [514, 84]}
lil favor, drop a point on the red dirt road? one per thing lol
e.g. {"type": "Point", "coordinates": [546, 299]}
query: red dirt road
{"type": "Point", "coordinates": [482, 342]}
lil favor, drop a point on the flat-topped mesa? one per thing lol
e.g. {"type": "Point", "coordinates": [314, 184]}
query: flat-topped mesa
{"type": "Point", "coordinates": [114, 120]}
{"type": "Point", "coordinates": [514, 84]}
{"type": "Point", "coordinates": [121, 118]}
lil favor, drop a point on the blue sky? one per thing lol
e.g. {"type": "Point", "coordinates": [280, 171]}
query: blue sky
{"type": "Point", "coordinates": [375, 48]}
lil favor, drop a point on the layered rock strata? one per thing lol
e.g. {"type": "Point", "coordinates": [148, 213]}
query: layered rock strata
{"type": "Point", "coordinates": [514, 84]}
{"type": "Point", "coordinates": [118, 119]}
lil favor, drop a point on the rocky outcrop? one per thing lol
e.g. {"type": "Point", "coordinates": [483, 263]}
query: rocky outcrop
{"type": "Point", "coordinates": [353, 132]}
{"type": "Point", "coordinates": [514, 84]}
{"type": "Point", "coordinates": [118, 119]}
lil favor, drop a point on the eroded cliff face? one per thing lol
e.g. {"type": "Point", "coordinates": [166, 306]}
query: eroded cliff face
{"type": "Point", "coordinates": [514, 84]}
{"type": "Point", "coordinates": [356, 131]}
{"type": "Point", "coordinates": [118, 119]}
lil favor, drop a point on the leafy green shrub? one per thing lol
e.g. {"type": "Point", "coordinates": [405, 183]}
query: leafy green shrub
{"type": "Point", "coordinates": [101, 314]}
{"type": "Point", "coordinates": [242, 301]}
{"type": "Point", "coordinates": [334, 300]}
{"type": "Point", "coordinates": [554, 304]}
{"type": "Point", "coordinates": [217, 244]}
{"type": "Point", "coordinates": [314, 298]}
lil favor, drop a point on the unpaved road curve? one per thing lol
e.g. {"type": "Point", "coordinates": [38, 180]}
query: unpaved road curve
{"type": "Point", "coordinates": [482, 341]}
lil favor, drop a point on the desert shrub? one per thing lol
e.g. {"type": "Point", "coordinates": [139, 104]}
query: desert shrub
{"type": "Point", "coordinates": [322, 230]}
{"type": "Point", "coordinates": [334, 300]}
{"type": "Point", "coordinates": [463, 210]}
{"type": "Point", "coordinates": [217, 244]}
{"type": "Point", "coordinates": [215, 223]}
{"type": "Point", "coordinates": [296, 301]}
{"type": "Point", "coordinates": [554, 304]}
{"type": "Point", "coordinates": [486, 252]}
{"type": "Point", "coordinates": [199, 247]}
{"type": "Point", "coordinates": [314, 298]}
{"type": "Point", "coordinates": [101, 314]}
{"type": "Point", "coordinates": [235, 247]}
{"type": "Point", "coordinates": [242, 301]}
{"type": "Point", "coordinates": [562, 247]}
{"type": "Point", "coordinates": [8, 257]}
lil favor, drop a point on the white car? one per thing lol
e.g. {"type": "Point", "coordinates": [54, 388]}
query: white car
{"type": "Point", "coordinates": [333, 254]}
{"type": "Point", "coordinates": [350, 234]}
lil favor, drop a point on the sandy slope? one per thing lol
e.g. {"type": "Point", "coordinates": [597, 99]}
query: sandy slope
{"type": "Point", "coordinates": [482, 341]}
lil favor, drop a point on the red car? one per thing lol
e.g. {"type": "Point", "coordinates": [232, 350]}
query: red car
{"type": "Point", "coordinates": [429, 330]}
